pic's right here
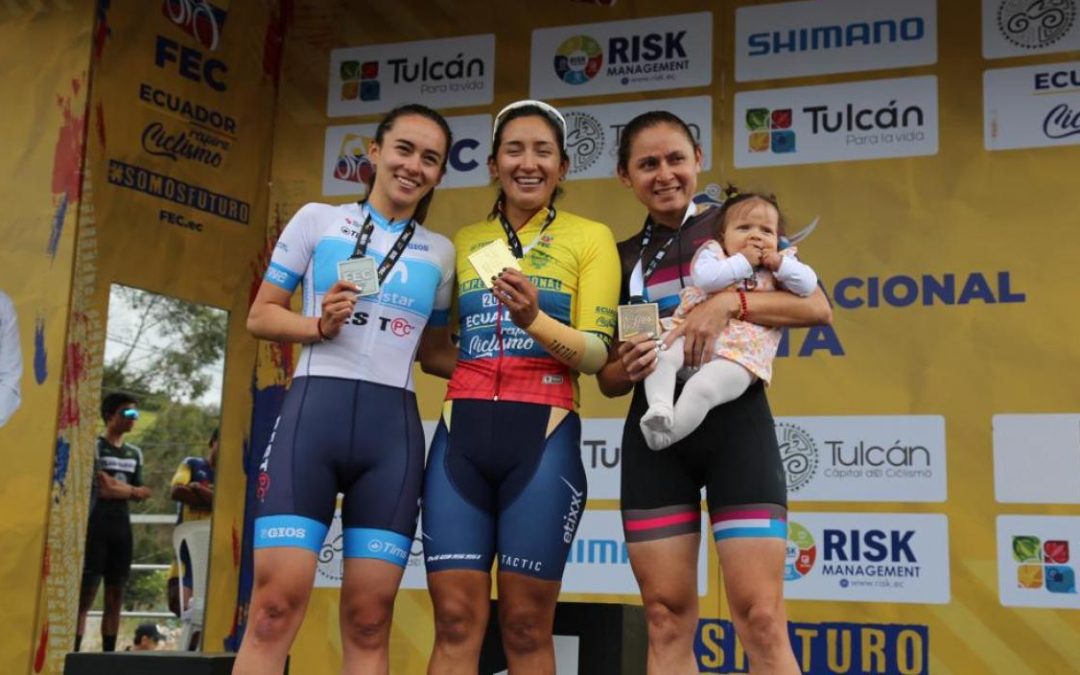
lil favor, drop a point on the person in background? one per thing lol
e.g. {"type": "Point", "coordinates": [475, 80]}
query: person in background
{"type": "Point", "coordinates": [193, 490]}
{"type": "Point", "coordinates": [117, 480]}
{"type": "Point", "coordinates": [147, 638]}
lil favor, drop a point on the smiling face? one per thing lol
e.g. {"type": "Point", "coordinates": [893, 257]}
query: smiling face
{"type": "Point", "coordinates": [409, 163]}
{"type": "Point", "coordinates": [753, 222]}
{"type": "Point", "coordinates": [528, 164]}
{"type": "Point", "coordinates": [662, 169]}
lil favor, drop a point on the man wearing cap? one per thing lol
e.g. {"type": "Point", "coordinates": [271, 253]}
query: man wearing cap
{"type": "Point", "coordinates": [147, 638]}
{"type": "Point", "coordinates": [117, 480]}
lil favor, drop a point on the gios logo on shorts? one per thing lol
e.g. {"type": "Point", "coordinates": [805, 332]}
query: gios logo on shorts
{"type": "Point", "coordinates": [798, 453]}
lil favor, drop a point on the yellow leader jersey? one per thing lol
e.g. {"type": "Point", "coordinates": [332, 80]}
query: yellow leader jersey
{"type": "Point", "coordinates": [574, 264]}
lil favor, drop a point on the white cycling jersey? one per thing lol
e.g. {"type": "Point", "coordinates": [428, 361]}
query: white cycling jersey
{"type": "Point", "coordinates": [379, 342]}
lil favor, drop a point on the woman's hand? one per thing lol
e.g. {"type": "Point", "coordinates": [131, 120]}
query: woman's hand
{"type": "Point", "coordinates": [702, 326]}
{"type": "Point", "coordinates": [638, 356]}
{"type": "Point", "coordinates": [337, 307]}
{"type": "Point", "coordinates": [519, 295]}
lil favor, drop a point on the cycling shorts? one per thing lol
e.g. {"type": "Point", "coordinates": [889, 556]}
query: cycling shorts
{"type": "Point", "coordinates": [733, 454]}
{"type": "Point", "coordinates": [358, 438]}
{"type": "Point", "coordinates": [108, 551]}
{"type": "Point", "coordinates": [497, 483]}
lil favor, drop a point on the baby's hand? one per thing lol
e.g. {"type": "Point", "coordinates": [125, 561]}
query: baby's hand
{"type": "Point", "coordinates": [771, 260]}
{"type": "Point", "coordinates": [752, 254]}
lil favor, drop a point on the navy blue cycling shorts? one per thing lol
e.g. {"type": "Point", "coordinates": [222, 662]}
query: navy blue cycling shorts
{"type": "Point", "coordinates": [497, 483]}
{"type": "Point", "coordinates": [358, 438]}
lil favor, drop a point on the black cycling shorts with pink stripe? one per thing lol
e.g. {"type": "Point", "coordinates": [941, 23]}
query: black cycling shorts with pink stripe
{"type": "Point", "coordinates": [733, 455]}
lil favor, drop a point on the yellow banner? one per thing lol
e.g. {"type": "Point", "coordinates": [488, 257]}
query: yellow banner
{"type": "Point", "coordinates": [40, 174]}
{"type": "Point", "coordinates": [945, 253]}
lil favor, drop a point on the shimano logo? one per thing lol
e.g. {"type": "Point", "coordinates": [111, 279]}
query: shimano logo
{"type": "Point", "coordinates": [837, 36]}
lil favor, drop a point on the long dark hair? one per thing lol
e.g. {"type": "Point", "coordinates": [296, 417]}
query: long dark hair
{"type": "Point", "coordinates": [496, 141]}
{"type": "Point", "coordinates": [645, 121]}
{"type": "Point", "coordinates": [387, 124]}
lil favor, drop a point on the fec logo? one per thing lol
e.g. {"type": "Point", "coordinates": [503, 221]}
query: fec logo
{"type": "Point", "coordinates": [770, 130]}
{"type": "Point", "coordinates": [1043, 564]}
{"type": "Point", "coordinates": [801, 552]}
{"type": "Point", "coordinates": [200, 19]}
{"type": "Point", "coordinates": [352, 164]}
{"type": "Point", "coordinates": [578, 59]}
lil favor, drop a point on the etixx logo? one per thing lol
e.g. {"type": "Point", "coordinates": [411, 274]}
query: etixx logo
{"type": "Point", "coordinates": [1043, 564]}
{"type": "Point", "coordinates": [1034, 25]}
{"type": "Point", "coordinates": [200, 19]}
{"type": "Point", "coordinates": [578, 59]}
{"type": "Point", "coordinates": [770, 130]}
{"type": "Point", "coordinates": [799, 454]}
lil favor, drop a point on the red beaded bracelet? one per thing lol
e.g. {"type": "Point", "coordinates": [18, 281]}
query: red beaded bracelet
{"type": "Point", "coordinates": [744, 311]}
{"type": "Point", "coordinates": [318, 327]}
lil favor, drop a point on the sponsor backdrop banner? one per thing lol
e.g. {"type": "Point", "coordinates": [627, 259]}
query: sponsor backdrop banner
{"type": "Point", "coordinates": [154, 124]}
{"type": "Point", "coordinates": [928, 434]}
{"type": "Point", "coordinates": [43, 135]}
{"type": "Point", "coordinates": [949, 268]}
{"type": "Point", "coordinates": [792, 39]}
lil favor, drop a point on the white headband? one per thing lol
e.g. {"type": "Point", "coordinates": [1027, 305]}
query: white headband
{"type": "Point", "coordinates": [549, 111]}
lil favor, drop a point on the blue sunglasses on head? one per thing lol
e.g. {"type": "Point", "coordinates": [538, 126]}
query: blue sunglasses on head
{"type": "Point", "coordinates": [131, 414]}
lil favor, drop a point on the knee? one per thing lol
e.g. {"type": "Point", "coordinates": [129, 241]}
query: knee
{"type": "Point", "coordinates": [667, 619]}
{"type": "Point", "coordinates": [457, 621]}
{"type": "Point", "coordinates": [763, 624]}
{"type": "Point", "coordinates": [523, 631]}
{"type": "Point", "coordinates": [367, 625]}
{"type": "Point", "coordinates": [274, 611]}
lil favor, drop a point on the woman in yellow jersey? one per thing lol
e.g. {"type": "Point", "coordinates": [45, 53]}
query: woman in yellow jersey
{"type": "Point", "coordinates": [504, 475]}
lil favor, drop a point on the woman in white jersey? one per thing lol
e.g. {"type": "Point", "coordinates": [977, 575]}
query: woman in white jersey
{"type": "Point", "coordinates": [376, 289]}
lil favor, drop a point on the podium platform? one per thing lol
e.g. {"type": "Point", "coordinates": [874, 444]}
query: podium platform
{"type": "Point", "coordinates": [603, 639]}
{"type": "Point", "coordinates": [149, 663]}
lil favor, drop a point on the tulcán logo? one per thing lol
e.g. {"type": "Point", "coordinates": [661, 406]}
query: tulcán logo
{"type": "Point", "coordinates": [360, 80]}
{"type": "Point", "coordinates": [578, 59]}
{"type": "Point", "coordinates": [584, 140]}
{"type": "Point", "coordinates": [770, 130]}
{"type": "Point", "coordinates": [799, 454]}
{"type": "Point", "coordinates": [200, 19]}
{"type": "Point", "coordinates": [1035, 24]}
{"type": "Point", "coordinates": [1043, 564]}
{"type": "Point", "coordinates": [801, 552]}
{"type": "Point", "coordinates": [352, 164]}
